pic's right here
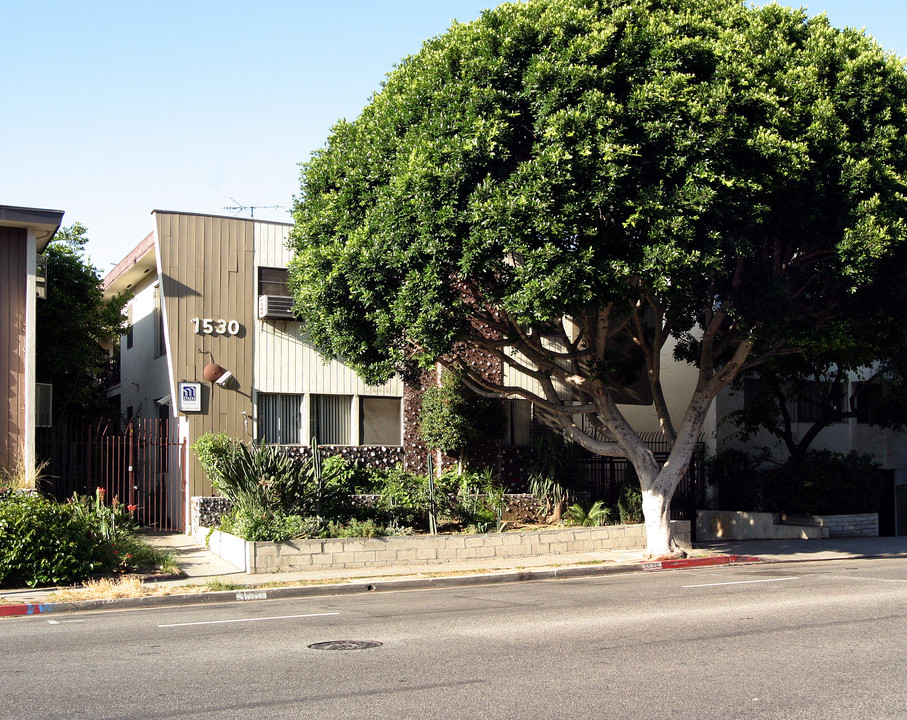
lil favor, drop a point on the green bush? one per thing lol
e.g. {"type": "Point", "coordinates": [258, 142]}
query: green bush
{"type": "Point", "coordinates": [43, 542]}
{"type": "Point", "coordinates": [270, 524]}
{"type": "Point", "coordinates": [480, 501]}
{"type": "Point", "coordinates": [826, 483]}
{"type": "Point", "coordinates": [454, 419]}
{"type": "Point", "coordinates": [213, 451]}
{"type": "Point", "coordinates": [738, 479]}
{"type": "Point", "coordinates": [403, 497]}
{"type": "Point", "coordinates": [629, 504]}
{"type": "Point", "coordinates": [355, 528]}
{"type": "Point", "coordinates": [110, 521]}
{"type": "Point", "coordinates": [595, 516]}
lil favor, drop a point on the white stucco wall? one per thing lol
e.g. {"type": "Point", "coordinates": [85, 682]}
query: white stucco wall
{"type": "Point", "coordinates": [143, 377]}
{"type": "Point", "coordinates": [887, 446]}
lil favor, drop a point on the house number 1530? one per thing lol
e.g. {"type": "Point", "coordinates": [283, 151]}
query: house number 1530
{"type": "Point", "coordinates": [209, 326]}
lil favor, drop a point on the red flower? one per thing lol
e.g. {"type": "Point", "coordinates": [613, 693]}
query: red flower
{"type": "Point", "coordinates": [101, 491]}
{"type": "Point", "coordinates": [132, 508]}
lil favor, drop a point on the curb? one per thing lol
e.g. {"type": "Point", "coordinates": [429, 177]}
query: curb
{"type": "Point", "coordinates": [26, 609]}
{"type": "Point", "coordinates": [367, 586]}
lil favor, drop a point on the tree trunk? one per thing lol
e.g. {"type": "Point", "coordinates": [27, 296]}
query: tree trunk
{"type": "Point", "coordinates": [557, 513]}
{"type": "Point", "coordinates": [656, 508]}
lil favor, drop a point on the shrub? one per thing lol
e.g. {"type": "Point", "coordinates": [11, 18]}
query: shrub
{"type": "Point", "coordinates": [110, 521]}
{"type": "Point", "coordinates": [629, 504]}
{"type": "Point", "coordinates": [480, 501]}
{"type": "Point", "coordinates": [270, 524]}
{"type": "Point", "coordinates": [45, 543]}
{"type": "Point", "coordinates": [212, 451]}
{"type": "Point", "coordinates": [597, 515]}
{"type": "Point", "coordinates": [738, 479]}
{"type": "Point", "coordinates": [355, 528]}
{"type": "Point", "coordinates": [454, 419]}
{"type": "Point", "coordinates": [826, 483]}
{"type": "Point", "coordinates": [263, 477]}
{"type": "Point", "coordinates": [402, 497]}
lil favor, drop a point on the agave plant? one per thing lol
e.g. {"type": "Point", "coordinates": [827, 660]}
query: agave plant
{"type": "Point", "coordinates": [597, 515]}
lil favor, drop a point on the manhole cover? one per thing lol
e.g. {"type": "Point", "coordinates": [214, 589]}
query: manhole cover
{"type": "Point", "coordinates": [345, 645]}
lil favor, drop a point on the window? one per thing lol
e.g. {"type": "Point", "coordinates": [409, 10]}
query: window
{"type": "Point", "coordinates": [519, 420]}
{"type": "Point", "coordinates": [379, 421]}
{"type": "Point", "coordinates": [44, 401]}
{"type": "Point", "coordinates": [273, 281]}
{"type": "Point", "coordinates": [869, 398]}
{"type": "Point", "coordinates": [817, 398]}
{"type": "Point", "coordinates": [330, 419]}
{"type": "Point", "coordinates": [280, 418]}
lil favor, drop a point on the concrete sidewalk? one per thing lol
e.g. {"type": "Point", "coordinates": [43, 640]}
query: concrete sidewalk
{"type": "Point", "coordinates": [207, 572]}
{"type": "Point", "coordinates": [846, 548]}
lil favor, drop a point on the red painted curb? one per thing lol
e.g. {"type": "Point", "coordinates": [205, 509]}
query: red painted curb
{"type": "Point", "coordinates": [698, 562]}
{"type": "Point", "coordinates": [25, 609]}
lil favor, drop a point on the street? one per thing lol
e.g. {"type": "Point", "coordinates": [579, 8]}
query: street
{"type": "Point", "coordinates": [797, 640]}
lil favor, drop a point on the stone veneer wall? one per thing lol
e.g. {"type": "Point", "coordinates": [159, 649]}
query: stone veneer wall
{"type": "Point", "coordinates": [207, 511]}
{"type": "Point", "coordinates": [380, 456]}
{"type": "Point", "coordinates": [352, 553]}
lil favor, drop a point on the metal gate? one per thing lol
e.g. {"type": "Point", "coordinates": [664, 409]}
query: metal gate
{"type": "Point", "coordinates": [603, 477]}
{"type": "Point", "coordinates": [140, 468]}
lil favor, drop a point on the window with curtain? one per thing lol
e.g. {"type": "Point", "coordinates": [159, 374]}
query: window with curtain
{"type": "Point", "coordinates": [379, 421]}
{"type": "Point", "coordinates": [330, 419]}
{"type": "Point", "coordinates": [519, 422]}
{"type": "Point", "coordinates": [280, 418]}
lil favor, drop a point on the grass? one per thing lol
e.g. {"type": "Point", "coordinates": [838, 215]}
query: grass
{"type": "Point", "coordinates": [14, 477]}
{"type": "Point", "coordinates": [147, 557]}
{"type": "Point", "coordinates": [217, 585]}
{"type": "Point", "coordinates": [104, 589]}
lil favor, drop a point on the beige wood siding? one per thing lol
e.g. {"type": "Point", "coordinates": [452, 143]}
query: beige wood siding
{"type": "Point", "coordinates": [287, 363]}
{"type": "Point", "coordinates": [271, 244]}
{"type": "Point", "coordinates": [206, 271]}
{"type": "Point", "coordinates": [13, 284]}
{"type": "Point", "coordinates": [284, 361]}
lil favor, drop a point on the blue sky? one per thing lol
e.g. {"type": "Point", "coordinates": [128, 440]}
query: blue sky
{"type": "Point", "coordinates": [113, 109]}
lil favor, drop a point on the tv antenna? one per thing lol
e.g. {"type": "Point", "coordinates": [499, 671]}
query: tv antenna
{"type": "Point", "coordinates": [239, 207]}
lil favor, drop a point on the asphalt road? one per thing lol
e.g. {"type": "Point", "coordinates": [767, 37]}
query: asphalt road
{"type": "Point", "coordinates": [804, 640]}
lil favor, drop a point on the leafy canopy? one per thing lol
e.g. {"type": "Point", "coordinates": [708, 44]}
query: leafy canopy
{"type": "Point", "coordinates": [564, 179]}
{"type": "Point", "coordinates": [74, 324]}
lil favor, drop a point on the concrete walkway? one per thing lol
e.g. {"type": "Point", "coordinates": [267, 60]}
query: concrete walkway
{"type": "Point", "coordinates": [204, 569]}
{"type": "Point", "coordinates": [847, 548]}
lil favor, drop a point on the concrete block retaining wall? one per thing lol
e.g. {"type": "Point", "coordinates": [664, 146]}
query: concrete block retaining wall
{"type": "Point", "coordinates": [351, 553]}
{"type": "Point", "coordinates": [853, 525]}
{"type": "Point", "coordinates": [729, 525]}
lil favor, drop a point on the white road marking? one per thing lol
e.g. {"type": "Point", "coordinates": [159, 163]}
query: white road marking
{"type": "Point", "coordinates": [63, 622]}
{"type": "Point", "coordinates": [743, 582]}
{"type": "Point", "coordinates": [238, 620]}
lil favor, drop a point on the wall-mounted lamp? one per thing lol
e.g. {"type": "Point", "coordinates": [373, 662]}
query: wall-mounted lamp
{"type": "Point", "coordinates": [216, 374]}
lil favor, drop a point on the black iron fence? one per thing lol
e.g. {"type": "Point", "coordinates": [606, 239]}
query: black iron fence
{"type": "Point", "coordinates": [602, 478]}
{"type": "Point", "coordinates": [140, 468]}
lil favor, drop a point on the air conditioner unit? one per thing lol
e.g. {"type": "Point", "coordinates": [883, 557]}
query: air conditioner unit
{"type": "Point", "coordinates": [275, 306]}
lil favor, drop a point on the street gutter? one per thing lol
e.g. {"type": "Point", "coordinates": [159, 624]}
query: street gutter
{"type": "Point", "coordinates": [252, 594]}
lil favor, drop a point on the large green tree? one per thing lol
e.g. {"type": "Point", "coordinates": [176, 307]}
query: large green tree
{"type": "Point", "coordinates": [75, 322]}
{"type": "Point", "coordinates": [562, 180]}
